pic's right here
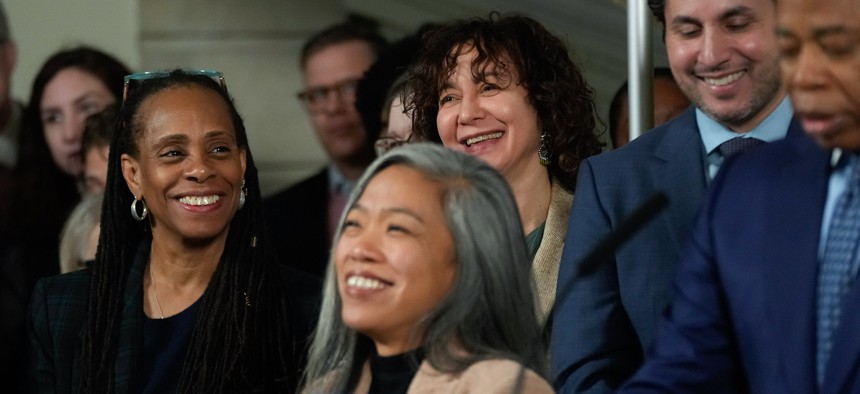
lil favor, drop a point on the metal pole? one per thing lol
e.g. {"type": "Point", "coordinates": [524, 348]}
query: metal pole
{"type": "Point", "coordinates": [640, 66]}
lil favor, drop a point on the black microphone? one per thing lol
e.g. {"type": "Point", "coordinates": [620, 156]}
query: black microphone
{"type": "Point", "coordinates": [641, 216]}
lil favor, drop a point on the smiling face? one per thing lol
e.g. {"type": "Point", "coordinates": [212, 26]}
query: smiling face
{"type": "Point", "coordinates": [723, 54]}
{"type": "Point", "coordinates": [190, 169]}
{"type": "Point", "coordinates": [394, 259]}
{"type": "Point", "coordinates": [69, 98]}
{"type": "Point", "coordinates": [820, 48]}
{"type": "Point", "coordinates": [489, 116]}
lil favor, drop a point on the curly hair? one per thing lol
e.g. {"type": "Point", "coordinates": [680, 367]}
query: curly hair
{"type": "Point", "coordinates": [520, 47]}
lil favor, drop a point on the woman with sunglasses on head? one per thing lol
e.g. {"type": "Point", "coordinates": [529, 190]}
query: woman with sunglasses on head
{"type": "Point", "coordinates": [428, 284]}
{"type": "Point", "coordinates": [184, 294]}
{"type": "Point", "coordinates": [504, 89]}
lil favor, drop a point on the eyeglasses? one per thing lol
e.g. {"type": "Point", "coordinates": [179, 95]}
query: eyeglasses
{"type": "Point", "coordinates": [385, 144]}
{"type": "Point", "coordinates": [316, 97]}
{"type": "Point", "coordinates": [132, 80]}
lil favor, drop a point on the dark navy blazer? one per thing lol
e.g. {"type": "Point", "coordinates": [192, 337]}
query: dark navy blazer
{"type": "Point", "coordinates": [604, 321]}
{"type": "Point", "coordinates": [744, 314]}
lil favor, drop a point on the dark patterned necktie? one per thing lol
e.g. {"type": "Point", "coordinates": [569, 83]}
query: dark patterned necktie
{"type": "Point", "coordinates": [839, 264]}
{"type": "Point", "coordinates": [738, 145]}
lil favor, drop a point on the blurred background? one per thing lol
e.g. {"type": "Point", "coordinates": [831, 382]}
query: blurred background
{"type": "Point", "coordinates": [256, 44]}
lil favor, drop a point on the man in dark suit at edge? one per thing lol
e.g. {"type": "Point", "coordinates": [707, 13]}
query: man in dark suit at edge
{"type": "Point", "coordinates": [301, 218]}
{"type": "Point", "coordinates": [724, 56]}
{"type": "Point", "coordinates": [765, 295]}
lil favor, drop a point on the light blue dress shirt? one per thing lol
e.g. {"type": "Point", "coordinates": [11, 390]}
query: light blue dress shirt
{"type": "Point", "coordinates": [772, 128]}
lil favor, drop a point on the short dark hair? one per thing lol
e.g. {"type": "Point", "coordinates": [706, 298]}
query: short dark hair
{"type": "Point", "coordinates": [621, 96]}
{"type": "Point", "coordinates": [351, 30]}
{"type": "Point", "coordinates": [374, 89]}
{"type": "Point", "coordinates": [98, 130]}
{"type": "Point", "coordinates": [658, 8]}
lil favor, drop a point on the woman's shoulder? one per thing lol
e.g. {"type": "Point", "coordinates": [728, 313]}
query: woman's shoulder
{"type": "Point", "coordinates": [58, 305]}
{"type": "Point", "coordinates": [70, 286]}
{"type": "Point", "coordinates": [485, 376]}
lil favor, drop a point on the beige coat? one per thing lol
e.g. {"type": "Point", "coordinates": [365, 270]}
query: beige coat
{"type": "Point", "coordinates": [488, 376]}
{"type": "Point", "coordinates": [548, 256]}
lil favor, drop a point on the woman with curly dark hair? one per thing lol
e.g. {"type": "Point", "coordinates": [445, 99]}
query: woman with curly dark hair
{"type": "Point", "coordinates": [504, 89]}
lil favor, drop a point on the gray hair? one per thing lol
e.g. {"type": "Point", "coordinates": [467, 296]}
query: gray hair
{"type": "Point", "coordinates": [76, 231]}
{"type": "Point", "coordinates": [490, 310]}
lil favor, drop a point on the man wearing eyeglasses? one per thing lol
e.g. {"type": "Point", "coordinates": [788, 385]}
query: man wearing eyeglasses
{"type": "Point", "coordinates": [302, 218]}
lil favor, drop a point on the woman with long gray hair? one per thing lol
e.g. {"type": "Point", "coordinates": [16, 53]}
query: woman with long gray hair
{"type": "Point", "coordinates": [429, 283]}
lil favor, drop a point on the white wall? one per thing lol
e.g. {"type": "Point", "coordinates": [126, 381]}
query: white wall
{"type": "Point", "coordinates": [41, 27]}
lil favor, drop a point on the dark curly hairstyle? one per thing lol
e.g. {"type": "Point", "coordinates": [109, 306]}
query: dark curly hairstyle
{"type": "Point", "coordinates": [521, 47]}
{"type": "Point", "coordinates": [233, 348]}
{"type": "Point", "coordinates": [658, 8]}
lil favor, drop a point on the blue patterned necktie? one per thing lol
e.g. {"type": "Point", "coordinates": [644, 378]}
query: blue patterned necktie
{"type": "Point", "coordinates": [839, 266]}
{"type": "Point", "coordinates": [737, 145]}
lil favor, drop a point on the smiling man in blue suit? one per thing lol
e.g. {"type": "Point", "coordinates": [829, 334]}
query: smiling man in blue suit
{"type": "Point", "coordinates": [724, 56]}
{"type": "Point", "coordinates": [765, 294]}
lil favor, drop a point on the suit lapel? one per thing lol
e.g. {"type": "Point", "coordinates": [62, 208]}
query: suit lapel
{"type": "Point", "coordinates": [794, 223]}
{"type": "Point", "coordinates": [678, 170]}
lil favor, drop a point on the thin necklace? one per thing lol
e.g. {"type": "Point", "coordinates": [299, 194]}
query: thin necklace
{"type": "Point", "coordinates": [155, 292]}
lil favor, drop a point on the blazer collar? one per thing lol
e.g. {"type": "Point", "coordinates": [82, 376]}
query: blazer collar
{"type": "Point", "coordinates": [548, 256]}
{"type": "Point", "coordinates": [678, 170]}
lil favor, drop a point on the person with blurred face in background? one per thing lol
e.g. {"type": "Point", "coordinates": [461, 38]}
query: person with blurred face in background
{"type": "Point", "coordinates": [71, 85]}
{"type": "Point", "coordinates": [669, 103]}
{"type": "Point", "coordinates": [95, 147]}
{"type": "Point", "coordinates": [10, 109]}
{"type": "Point", "coordinates": [766, 294]}
{"type": "Point", "coordinates": [303, 217]}
{"type": "Point", "coordinates": [724, 56]}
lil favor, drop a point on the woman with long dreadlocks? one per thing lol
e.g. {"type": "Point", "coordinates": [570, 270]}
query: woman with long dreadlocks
{"type": "Point", "coordinates": [184, 294]}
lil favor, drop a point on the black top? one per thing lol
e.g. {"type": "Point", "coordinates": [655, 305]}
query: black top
{"type": "Point", "coordinates": [165, 344]}
{"type": "Point", "coordinates": [297, 223]}
{"type": "Point", "coordinates": [393, 374]}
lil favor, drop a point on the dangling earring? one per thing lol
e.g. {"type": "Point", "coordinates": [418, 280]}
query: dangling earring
{"type": "Point", "coordinates": [242, 193]}
{"type": "Point", "coordinates": [134, 213]}
{"type": "Point", "coordinates": [544, 154]}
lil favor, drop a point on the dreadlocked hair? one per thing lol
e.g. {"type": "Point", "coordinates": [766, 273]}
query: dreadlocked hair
{"type": "Point", "coordinates": [242, 339]}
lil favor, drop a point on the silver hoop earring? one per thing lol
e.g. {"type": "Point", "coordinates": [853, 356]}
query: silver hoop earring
{"type": "Point", "coordinates": [242, 193]}
{"type": "Point", "coordinates": [544, 153]}
{"type": "Point", "coordinates": [143, 213]}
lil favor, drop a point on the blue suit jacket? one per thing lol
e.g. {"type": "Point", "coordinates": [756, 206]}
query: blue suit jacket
{"type": "Point", "coordinates": [604, 320]}
{"type": "Point", "coordinates": [744, 312]}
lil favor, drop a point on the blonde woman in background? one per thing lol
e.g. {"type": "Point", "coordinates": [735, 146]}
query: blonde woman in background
{"type": "Point", "coordinates": [80, 236]}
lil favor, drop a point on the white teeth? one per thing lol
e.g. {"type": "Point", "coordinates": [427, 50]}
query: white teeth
{"type": "Point", "coordinates": [203, 200]}
{"type": "Point", "coordinates": [364, 283]}
{"type": "Point", "coordinates": [724, 80]}
{"type": "Point", "coordinates": [482, 138]}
